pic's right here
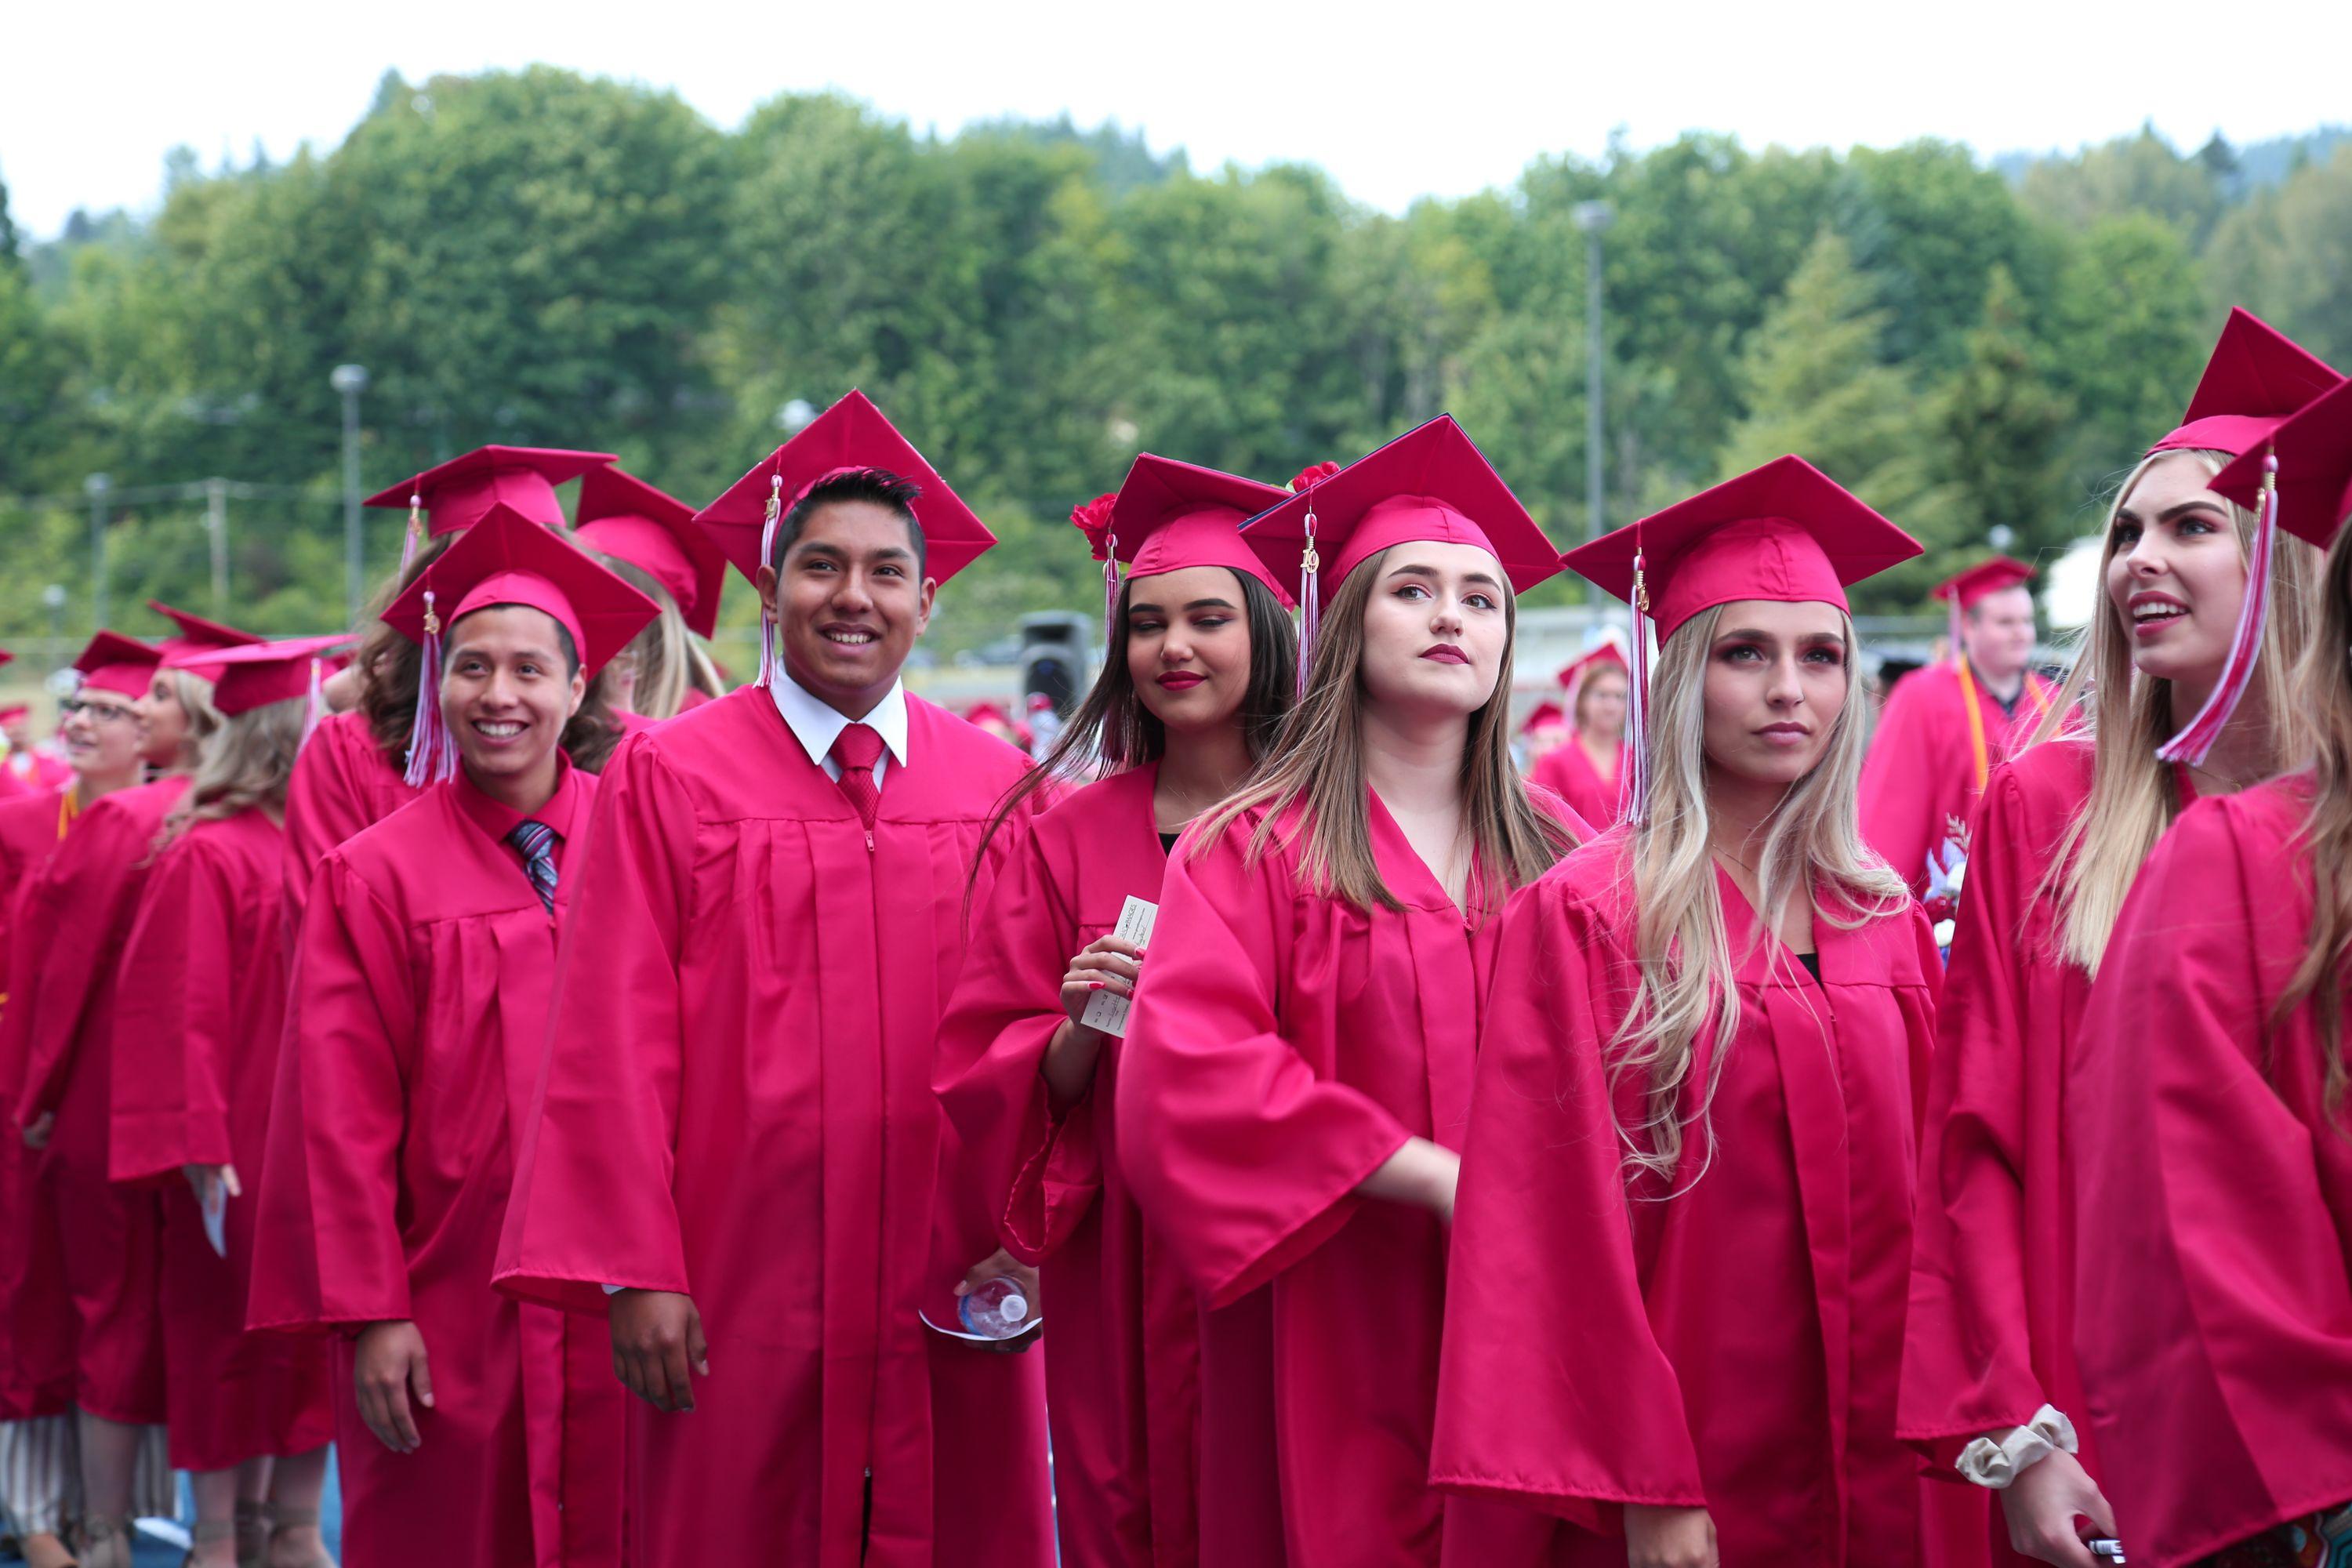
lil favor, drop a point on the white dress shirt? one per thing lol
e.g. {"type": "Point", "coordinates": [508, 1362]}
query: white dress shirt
{"type": "Point", "coordinates": [816, 726]}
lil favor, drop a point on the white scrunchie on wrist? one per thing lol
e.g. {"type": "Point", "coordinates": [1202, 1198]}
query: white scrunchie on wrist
{"type": "Point", "coordinates": [1995, 1465]}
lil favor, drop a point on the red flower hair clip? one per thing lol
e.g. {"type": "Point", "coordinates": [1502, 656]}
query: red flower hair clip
{"type": "Point", "coordinates": [1313, 474]}
{"type": "Point", "coordinates": [1093, 519]}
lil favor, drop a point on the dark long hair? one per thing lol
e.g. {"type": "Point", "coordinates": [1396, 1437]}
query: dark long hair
{"type": "Point", "coordinates": [1113, 730]}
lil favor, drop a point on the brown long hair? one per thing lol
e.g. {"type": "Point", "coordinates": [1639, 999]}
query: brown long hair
{"type": "Point", "coordinates": [244, 767]}
{"type": "Point", "coordinates": [2134, 796]}
{"type": "Point", "coordinates": [1112, 730]}
{"type": "Point", "coordinates": [2325, 688]}
{"type": "Point", "coordinates": [1318, 761]}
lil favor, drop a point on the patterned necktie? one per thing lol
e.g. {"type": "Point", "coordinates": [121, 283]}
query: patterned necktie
{"type": "Point", "coordinates": [535, 841]}
{"type": "Point", "coordinates": [856, 749]}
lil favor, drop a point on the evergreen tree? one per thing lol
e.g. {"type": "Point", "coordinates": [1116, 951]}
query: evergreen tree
{"type": "Point", "coordinates": [2003, 430]}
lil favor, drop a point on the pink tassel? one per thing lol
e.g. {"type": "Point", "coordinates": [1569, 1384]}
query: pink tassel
{"type": "Point", "coordinates": [413, 536]}
{"type": "Point", "coordinates": [318, 706]}
{"type": "Point", "coordinates": [1110, 587]}
{"type": "Point", "coordinates": [431, 755]}
{"type": "Point", "coordinates": [1310, 605]}
{"type": "Point", "coordinates": [1637, 702]}
{"type": "Point", "coordinates": [767, 558]}
{"type": "Point", "coordinates": [2196, 739]}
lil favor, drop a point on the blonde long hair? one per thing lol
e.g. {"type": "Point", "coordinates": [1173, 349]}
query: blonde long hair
{"type": "Point", "coordinates": [669, 663]}
{"type": "Point", "coordinates": [244, 767]}
{"type": "Point", "coordinates": [1814, 849]}
{"type": "Point", "coordinates": [2323, 687]}
{"type": "Point", "coordinates": [2134, 796]}
{"type": "Point", "coordinates": [1317, 761]}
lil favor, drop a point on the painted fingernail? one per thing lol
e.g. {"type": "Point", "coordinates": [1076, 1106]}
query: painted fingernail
{"type": "Point", "coordinates": [1094, 984]}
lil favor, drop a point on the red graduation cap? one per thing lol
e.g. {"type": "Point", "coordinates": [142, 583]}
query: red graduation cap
{"type": "Point", "coordinates": [1541, 714]}
{"type": "Point", "coordinates": [986, 712]}
{"type": "Point", "coordinates": [849, 436]}
{"type": "Point", "coordinates": [6, 658]}
{"type": "Point", "coordinates": [623, 517]}
{"type": "Point", "coordinates": [1169, 515]}
{"type": "Point", "coordinates": [1962, 590]}
{"type": "Point", "coordinates": [116, 663]}
{"type": "Point", "coordinates": [508, 558]}
{"type": "Point", "coordinates": [14, 711]}
{"type": "Point", "coordinates": [1573, 674]}
{"type": "Point", "coordinates": [2311, 454]}
{"type": "Point", "coordinates": [259, 673]}
{"type": "Point", "coordinates": [196, 635]}
{"type": "Point", "coordinates": [1430, 484]}
{"type": "Point", "coordinates": [2257, 376]}
{"type": "Point", "coordinates": [1785, 532]}
{"type": "Point", "coordinates": [457, 494]}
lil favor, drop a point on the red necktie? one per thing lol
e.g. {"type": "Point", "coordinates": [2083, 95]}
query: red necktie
{"type": "Point", "coordinates": [856, 749]}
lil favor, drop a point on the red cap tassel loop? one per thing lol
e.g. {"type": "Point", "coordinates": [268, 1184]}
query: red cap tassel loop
{"type": "Point", "coordinates": [767, 558]}
{"type": "Point", "coordinates": [432, 755]}
{"type": "Point", "coordinates": [412, 536]}
{"type": "Point", "coordinates": [1637, 702]}
{"type": "Point", "coordinates": [2195, 741]}
{"type": "Point", "coordinates": [1310, 605]}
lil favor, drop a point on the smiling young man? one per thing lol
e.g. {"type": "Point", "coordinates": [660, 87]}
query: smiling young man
{"type": "Point", "coordinates": [739, 1135]}
{"type": "Point", "coordinates": [1946, 727]}
{"type": "Point", "coordinates": [479, 1431]}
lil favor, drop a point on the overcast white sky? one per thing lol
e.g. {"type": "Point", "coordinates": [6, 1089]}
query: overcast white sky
{"type": "Point", "coordinates": [1396, 100]}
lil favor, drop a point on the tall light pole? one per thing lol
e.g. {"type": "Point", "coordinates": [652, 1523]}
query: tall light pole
{"type": "Point", "coordinates": [1593, 219]}
{"type": "Point", "coordinates": [350, 380]}
{"type": "Point", "coordinates": [97, 485]}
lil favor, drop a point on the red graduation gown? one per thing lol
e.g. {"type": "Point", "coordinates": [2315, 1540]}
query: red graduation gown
{"type": "Point", "coordinates": [1122, 1350]}
{"type": "Point", "coordinates": [1990, 1339]}
{"type": "Point", "coordinates": [739, 1106]}
{"type": "Point", "coordinates": [1733, 1342]}
{"type": "Point", "coordinates": [196, 1030]}
{"type": "Point", "coordinates": [1921, 773]}
{"type": "Point", "coordinates": [37, 1314]}
{"type": "Point", "coordinates": [2214, 1276]}
{"type": "Point", "coordinates": [342, 781]}
{"type": "Point", "coordinates": [1566, 772]}
{"type": "Point", "coordinates": [82, 903]}
{"type": "Point", "coordinates": [1283, 1046]}
{"type": "Point", "coordinates": [424, 973]}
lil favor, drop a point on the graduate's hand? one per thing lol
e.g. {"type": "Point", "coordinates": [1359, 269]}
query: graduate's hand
{"type": "Point", "coordinates": [203, 1178]}
{"type": "Point", "coordinates": [656, 1340]}
{"type": "Point", "coordinates": [37, 1130]}
{"type": "Point", "coordinates": [1003, 1262]}
{"type": "Point", "coordinates": [386, 1364]}
{"type": "Point", "coordinates": [2042, 1505]}
{"type": "Point", "coordinates": [1420, 1173]}
{"type": "Point", "coordinates": [1669, 1537]}
{"type": "Point", "coordinates": [1107, 964]}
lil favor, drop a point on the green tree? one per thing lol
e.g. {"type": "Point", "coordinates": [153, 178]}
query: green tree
{"type": "Point", "coordinates": [2141, 174]}
{"type": "Point", "coordinates": [2128, 331]}
{"type": "Point", "coordinates": [2283, 254]}
{"type": "Point", "coordinates": [1817, 385]}
{"type": "Point", "coordinates": [2004, 432]}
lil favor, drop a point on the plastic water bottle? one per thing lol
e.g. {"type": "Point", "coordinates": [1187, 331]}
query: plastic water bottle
{"type": "Point", "coordinates": [996, 1310]}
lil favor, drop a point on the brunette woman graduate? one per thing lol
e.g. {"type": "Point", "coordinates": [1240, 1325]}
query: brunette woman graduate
{"type": "Point", "coordinates": [39, 1453]}
{"type": "Point", "coordinates": [475, 1432]}
{"type": "Point", "coordinates": [1296, 1069]}
{"type": "Point", "coordinates": [1588, 769]}
{"type": "Point", "coordinates": [2207, 1104]}
{"type": "Point", "coordinates": [1680, 1256]}
{"type": "Point", "coordinates": [1201, 666]}
{"type": "Point", "coordinates": [201, 999]}
{"type": "Point", "coordinates": [59, 1030]}
{"type": "Point", "coordinates": [360, 765]}
{"type": "Point", "coordinates": [2179, 648]}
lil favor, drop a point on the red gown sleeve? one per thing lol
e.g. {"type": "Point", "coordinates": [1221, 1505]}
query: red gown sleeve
{"type": "Point", "coordinates": [86, 892]}
{"type": "Point", "coordinates": [174, 1022]}
{"type": "Point", "coordinates": [2214, 1255]}
{"type": "Point", "coordinates": [1553, 1390]}
{"type": "Point", "coordinates": [1035, 1164]}
{"type": "Point", "coordinates": [327, 1243]}
{"type": "Point", "coordinates": [592, 1202]}
{"type": "Point", "coordinates": [1967, 1358]}
{"type": "Point", "coordinates": [1242, 1156]}
{"type": "Point", "coordinates": [1899, 794]}
{"type": "Point", "coordinates": [324, 806]}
